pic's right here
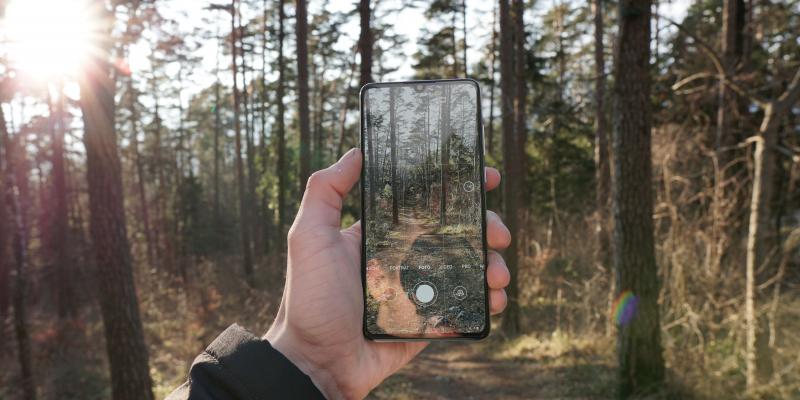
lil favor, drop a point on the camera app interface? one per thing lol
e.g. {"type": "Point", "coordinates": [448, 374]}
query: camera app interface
{"type": "Point", "coordinates": [424, 231]}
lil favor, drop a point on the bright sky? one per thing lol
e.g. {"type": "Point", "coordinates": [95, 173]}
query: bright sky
{"type": "Point", "coordinates": [409, 24]}
{"type": "Point", "coordinates": [47, 38]}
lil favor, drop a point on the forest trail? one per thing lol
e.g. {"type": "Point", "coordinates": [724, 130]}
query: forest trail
{"type": "Point", "coordinates": [487, 370]}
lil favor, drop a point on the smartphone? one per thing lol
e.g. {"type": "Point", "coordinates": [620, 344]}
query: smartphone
{"type": "Point", "coordinates": [423, 254]}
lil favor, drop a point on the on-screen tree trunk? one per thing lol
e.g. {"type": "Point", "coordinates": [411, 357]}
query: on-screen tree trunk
{"type": "Point", "coordinates": [127, 353]}
{"type": "Point", "coordinates": [393, 148]}
{"type": "Point", "coordinates": [508, 94]}
{"type": "Point", "coordinates": [601, 156]}
{"type": "Point", "coordinates": [365, 42]}
{"type": "Point", "coordinates": [641, 363]}
{"type": "Point", "coordinates": [244, 223]}
{"type": "Point", "coordinates": [19, 246]}
{"type": "Point", "coordinates": [444, 151]}
{"type": "Point", "coordinates": [302, 92]}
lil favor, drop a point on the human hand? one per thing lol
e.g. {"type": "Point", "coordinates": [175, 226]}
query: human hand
{"type": "Point", "coordinates": [319, 322]}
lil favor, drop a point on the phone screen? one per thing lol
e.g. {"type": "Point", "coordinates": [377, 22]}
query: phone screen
{"type": "Point", "coordinates": [424, 246]}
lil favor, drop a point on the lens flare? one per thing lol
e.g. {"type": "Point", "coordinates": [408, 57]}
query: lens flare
{"type": "Point", "coordinates": [46, 38]}
{"type": "Point", "coordinates": [625, 307]}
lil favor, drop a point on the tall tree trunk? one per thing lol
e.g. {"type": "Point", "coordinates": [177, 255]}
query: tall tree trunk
{"type": "Point", "coordinates": [252, 210]}
{"type": "Point", "coordinates": [5, 227]}
{"type": "Point", "coordinates": [464, 39]}
{"type": "Point", "coordinates": [19, 245]}
{"type": "Point", "coordinates": [127, 353]}
{"type": "Point", "coordinates": [264, 150]}
{"type": "Point", "coordinates": [641, 363]}
{"type": "Point", "coordinates": [345, 105]}
{"type": "Point", "coordinates": [365, 42]}
{"type": "Point", "coordinates": [601, 160]}
{"type": "Point", "coordinates": [520, 105]}
{"type": "Point", "coordinates": [302, 91]}
{"type": "Point", "coordinates": [508, 94]}
{"type": "Point", "coordinates": [733, 16]}
{"type": "Point", "coordinates": [282, 178]}
{"type": "Point", "coordinates": [492, 73]}
{"type": "Point", "coordinates": [217, 135]}
{"type": "Point", "coordinates": [757, 357]}
{"type": "Point", "coordinates": [393, 148]}
{"type": "Point", "coordinates": [62, 258]}
{"type": "Point", "coordinates": [453, 42]}
{"type": "Point", "coordinates": [244, 223]}
{"type": "Point", "coordinates": [140, 178]}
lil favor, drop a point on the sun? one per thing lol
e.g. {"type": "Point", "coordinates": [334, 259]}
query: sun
{"type": "Point", "coordinates": [47, 38]}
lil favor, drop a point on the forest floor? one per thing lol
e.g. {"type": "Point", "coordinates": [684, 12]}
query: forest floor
{"type": "Point", "coordinates": [557, 367]}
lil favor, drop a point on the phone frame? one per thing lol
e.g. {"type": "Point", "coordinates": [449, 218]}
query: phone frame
{"type": "Point", "coordinates": [383, 337]}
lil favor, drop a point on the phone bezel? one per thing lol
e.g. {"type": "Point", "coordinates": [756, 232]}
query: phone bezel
{"type": "Point", "coordinates": [382, 337]}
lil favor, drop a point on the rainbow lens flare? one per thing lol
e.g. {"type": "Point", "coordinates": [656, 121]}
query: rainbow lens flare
{"type": "Point", "coordinates": [625, 307]}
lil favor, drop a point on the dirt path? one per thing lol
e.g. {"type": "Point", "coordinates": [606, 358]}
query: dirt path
{"type": "Point", "coordinates": [475, 371]}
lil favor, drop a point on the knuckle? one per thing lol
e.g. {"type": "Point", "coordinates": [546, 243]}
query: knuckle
{"type": "Point", "coordinates": [316, 180]}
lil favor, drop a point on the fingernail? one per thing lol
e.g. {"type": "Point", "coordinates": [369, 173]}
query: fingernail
{"type": "Point", "coordinates": [348, 154]}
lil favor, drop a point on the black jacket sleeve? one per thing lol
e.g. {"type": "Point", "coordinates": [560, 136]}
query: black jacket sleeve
{"type": "Point", "coordinates": [238, 365]}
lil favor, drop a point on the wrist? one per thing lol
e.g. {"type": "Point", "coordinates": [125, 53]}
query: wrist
{"type": "Point", "coordinates": [282, 340]}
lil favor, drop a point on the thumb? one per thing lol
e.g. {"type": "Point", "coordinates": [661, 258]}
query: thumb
{"type": "Point", "coordinates": [325, 190]}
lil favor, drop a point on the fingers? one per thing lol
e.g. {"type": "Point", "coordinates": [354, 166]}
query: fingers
{"type": "Point", "coordinates": [491, 178]}
{"type": "Point", "coordinates": [322, 201]}
{"type": "Point", "coordinates": [498, 278]}
{"type": "Point", "coordinates": [497, 274]}
{"type": "Point", "coordinates": [497, 235]}
{"type": "Point", "coordinates": [497, 301]}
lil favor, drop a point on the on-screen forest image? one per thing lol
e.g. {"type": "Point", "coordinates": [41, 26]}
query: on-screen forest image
{"type": "Point", "coordinates": [422, 196]}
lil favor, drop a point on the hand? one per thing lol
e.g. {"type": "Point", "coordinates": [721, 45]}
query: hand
{"type": "Point", "coordinates": [319, 322]}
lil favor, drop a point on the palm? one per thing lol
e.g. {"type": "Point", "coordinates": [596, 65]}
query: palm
{"type": "Point", "coordinates": [329, 304]}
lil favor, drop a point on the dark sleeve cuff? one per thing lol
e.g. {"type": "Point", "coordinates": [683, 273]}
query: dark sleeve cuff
{"type": "Point", "coordinates": [238, 365]}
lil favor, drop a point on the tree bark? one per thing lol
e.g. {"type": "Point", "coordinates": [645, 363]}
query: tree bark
{"type": "Point", "coordinates": [757, 357]}
{"type": "Point", "coordinates": [140, 178]}
{"type": "Point", "coordinates": [267, 213]}
{"type": "Point", "coordinates": [508, 94]}
{"type": "Point", "coordinates": [365, 42]}
{"type": "Point", "coordinates": [19, 245]}
{"type": "Point", "coordinates": [244, 223]}
{"type": "Point", "coordinates": [493, 61]}
{"type": "Point", "coordinates": [601, 156]}
{"type": "Point", "coordinates": [127, 353]}
{"type": "Point", "coordinates": [464, 41]}
{"type": "Point", "coordinates": [302, 92]}
{"type": "Point", "coordinates": [641, 363]}
{"type": "Point", "coordinates": [217, 135]}
{"type": "Point", "coordinates": [62, 261]}
{"type": "Point", "coordinates": [282, 177]}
